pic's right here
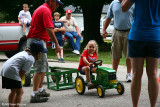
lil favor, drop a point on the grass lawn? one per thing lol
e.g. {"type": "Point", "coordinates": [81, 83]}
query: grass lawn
{"type": "Point", "coordinates": [69, 56]}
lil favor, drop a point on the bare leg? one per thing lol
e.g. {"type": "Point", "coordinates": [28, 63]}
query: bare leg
{"type": "Point", "coordinates": [36, 81]}
{"type": "Point", "coordinates": [61, 52]}
{"type": "Point", "coordinates": [11, 97]}
{"type": "Point", "coordinates": [58, 55]}
{"type": "Point", "coordinates": [24, 26]}
{"type": "Point", "coordinates": [18, 97]}
{"type": "Point", "coordinates": [42, 78]}
{"type": "Point", "coordinates": [129, 66]}
{"type": "Point", "coordinates": [153, 86]}
{"type": "Point", "coordinates": [137, 64]}
{"type": "Point", "coordinates": [86, 69]}
{"type": "Point", "coordinates": [115, 63]}
{"type": "Point", "coordinates": [94, 70]}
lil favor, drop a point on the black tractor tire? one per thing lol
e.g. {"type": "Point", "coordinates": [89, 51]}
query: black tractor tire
{"type": "Point", "coordinates": [80, 85]}
{"type": "Point", "coordinates": [10, 53]}
{"type": "Point", "coordinates": [23, 46]}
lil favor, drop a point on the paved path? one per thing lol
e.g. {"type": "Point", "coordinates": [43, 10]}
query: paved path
{"type": "Point", "coordinates": [70, 98]}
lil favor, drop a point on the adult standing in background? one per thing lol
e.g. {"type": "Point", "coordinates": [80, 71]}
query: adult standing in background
{"type": "Point", "coordinates": [144, 44]}
{"type": "Point", "coordinates": [122, 25]}
{"type": "Point", "coordinates": [71, 33]}
{"type": "Point", "coordinates": [41, 29]}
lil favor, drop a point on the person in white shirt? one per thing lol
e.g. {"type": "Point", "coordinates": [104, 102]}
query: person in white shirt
{"type": "Point", "coordinates": [14, 70]}
{"type": "Point", "coordinates": [24, 17]}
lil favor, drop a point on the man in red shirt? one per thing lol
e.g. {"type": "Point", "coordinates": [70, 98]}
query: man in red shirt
{"type": "Point", "coordinates": [41, 29]}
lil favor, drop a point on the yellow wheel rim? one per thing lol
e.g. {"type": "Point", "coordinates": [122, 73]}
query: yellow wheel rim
{"type": "Point", "coordinates": [23, 80]}
{"type": "Point", "coordinates": [99, 91]}
{"type": "Point", "coordinates": [119, 88]}
{"type": "Point", "coordinates": [79, 85]}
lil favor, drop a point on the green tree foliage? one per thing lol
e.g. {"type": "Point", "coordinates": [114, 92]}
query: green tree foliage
{"type": "Point", "coordinates": [91, 9]}
{"type": "Point", "coordinates": [11, 8]}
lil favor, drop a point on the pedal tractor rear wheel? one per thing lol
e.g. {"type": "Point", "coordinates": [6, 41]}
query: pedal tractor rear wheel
{"type": "Point", "coordinates": [120, 88]}
{"type": "Point", "coordinates": [100, 91]}
{"type": "Point", "coordinates": [80, 85]}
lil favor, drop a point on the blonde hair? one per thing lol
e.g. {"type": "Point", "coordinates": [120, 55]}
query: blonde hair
{"type": "Point", "coordinates": [94, 43]}
{"type": "Point", "coordinates": [25, 5]}
{"type": "Point", "coordinates": [56, 14]}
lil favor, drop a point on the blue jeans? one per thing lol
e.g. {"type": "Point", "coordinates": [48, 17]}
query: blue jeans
{"type": "Point", "coordinates": [71, 36]}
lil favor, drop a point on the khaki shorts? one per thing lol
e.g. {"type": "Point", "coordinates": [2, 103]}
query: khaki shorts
{"type": "Point", "coordinates": [39, 65]}
{"type": "Point", "coordinates": [119, 44]}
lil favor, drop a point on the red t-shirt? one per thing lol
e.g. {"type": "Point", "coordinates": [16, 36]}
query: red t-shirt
{"type": "Point", "coordinates": [88, 57]}
{"type": "Point", "coordinates": [41, 19]}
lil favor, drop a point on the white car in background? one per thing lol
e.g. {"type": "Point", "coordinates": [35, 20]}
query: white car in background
{"type": "Point", "coordinates": [109, 29]}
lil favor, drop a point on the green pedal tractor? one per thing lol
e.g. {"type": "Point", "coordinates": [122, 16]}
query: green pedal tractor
{"type": "Point", "coordinates": [105, 79]}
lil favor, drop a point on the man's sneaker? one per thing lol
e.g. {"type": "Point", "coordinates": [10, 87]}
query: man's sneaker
{"type": "Point", "coordinates": [44, 93]}
{"type": "Point", "coordinates": [37, 99]}
{"type": "Point", "coordinates": [62, 60]}
{"type": "Point", "coordinates": [129, 77]}
{"type": "Point", "coordinates": [76, 52]}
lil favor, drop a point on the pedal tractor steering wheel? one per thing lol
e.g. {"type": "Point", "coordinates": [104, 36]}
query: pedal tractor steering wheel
{"type": "Point", "coordinates": [96, 63]}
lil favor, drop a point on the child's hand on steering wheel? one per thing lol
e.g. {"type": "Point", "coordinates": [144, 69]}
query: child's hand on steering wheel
{"type": "Point", "coordinates": [90, 64]}
{"type": "Point", "coordinates": [100, 64]}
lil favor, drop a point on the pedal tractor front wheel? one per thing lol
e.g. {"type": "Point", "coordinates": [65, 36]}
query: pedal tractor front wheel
{"type": "Point", "coordinates": [80, 85]}
{"type": "Point", "coordinates": [100, 91]}
{"type": "Point", "coordinates": [120, 88]}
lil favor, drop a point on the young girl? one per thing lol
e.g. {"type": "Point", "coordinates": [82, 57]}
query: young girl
{"type": "Point", "coordinates": [88, 56]}
{"type": "Point", "coordinates": [14, 70]}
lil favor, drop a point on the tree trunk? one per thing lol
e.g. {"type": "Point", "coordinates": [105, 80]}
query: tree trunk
{"type": "Point", "coordinates": [92, 16]}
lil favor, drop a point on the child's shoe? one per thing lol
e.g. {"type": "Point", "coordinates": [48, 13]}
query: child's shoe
{"type": "Point", "coordinates": [59, 60]}
{"type": "Point", "coordinates": [62, 60]}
